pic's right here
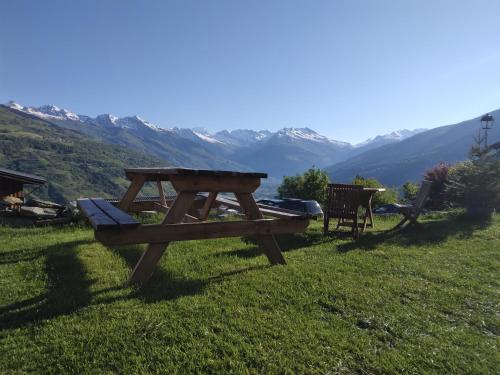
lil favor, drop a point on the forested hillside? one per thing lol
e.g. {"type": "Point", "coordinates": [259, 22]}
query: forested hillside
{"type": "Point", "coordinates": [73, 164]}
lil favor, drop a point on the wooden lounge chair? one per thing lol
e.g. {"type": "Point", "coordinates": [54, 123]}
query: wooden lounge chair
{"type": "Point", "coordinates": [343, 202]}
{"type": "Point", "coordinates": [411, 212]}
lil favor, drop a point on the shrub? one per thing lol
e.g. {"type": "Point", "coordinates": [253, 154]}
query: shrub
{"type": "Point", "coordinates": [479, 179]}
{"type": "Point", "coordinates": [311, 185]}
{"type": "Point", "coordinates": [438, 175]}
{"type": "Point", "coordinates": [379, 199]}
{"type": "Point", "coordinates": [410, 191]}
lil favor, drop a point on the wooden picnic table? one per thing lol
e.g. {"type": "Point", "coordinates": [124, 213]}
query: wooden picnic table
{"type": "Point", "coordinates": [114, 227]}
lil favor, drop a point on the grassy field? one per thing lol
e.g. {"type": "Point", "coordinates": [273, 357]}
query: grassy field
{"type": "Point", "coordinates": [411, 302]}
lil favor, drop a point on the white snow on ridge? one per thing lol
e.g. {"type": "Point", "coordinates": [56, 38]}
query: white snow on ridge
{"type": "Point", "coordinates": [308, 135]}
{"type": "Point", "coordinates": [397, 135]}
{"type": "Point", "coordinates": [207, 138]}
{"type": "Point", "coordinates": [242, 137]}
{"type": "Point", "coordinates": [45, 111]}
{"type": "Point", "coordinates": [134, 122]}
{"type": "Point", "coordinates": [12, 104]}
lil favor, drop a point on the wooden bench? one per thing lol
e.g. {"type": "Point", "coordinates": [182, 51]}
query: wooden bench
{"type": "Point", "coordinates": [104, 216]}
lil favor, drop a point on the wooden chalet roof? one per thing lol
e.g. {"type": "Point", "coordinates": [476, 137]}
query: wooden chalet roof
{"type": "Point", "coordinates": [24, 178]}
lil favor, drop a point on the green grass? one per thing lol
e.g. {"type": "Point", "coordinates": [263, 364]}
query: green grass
{"type": "Point", "coordinates": [411, 302]}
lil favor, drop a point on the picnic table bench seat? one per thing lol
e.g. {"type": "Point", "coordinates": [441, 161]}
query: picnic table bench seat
{"type": "Point", "coordinates": [105, 216]}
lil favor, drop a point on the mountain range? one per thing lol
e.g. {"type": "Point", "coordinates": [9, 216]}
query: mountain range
{"type": "Point", "coordinates": [392, 158]}
{"type": "Point", "coordinates": [284, 152]}
{"type": "Point", "coordinates": [407, 160]}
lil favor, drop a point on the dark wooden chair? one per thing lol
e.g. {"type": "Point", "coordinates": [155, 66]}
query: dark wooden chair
{"type": "Point", "coordinates": [411, 212]}
{"type": "Point", "coordinates": [343, 202]}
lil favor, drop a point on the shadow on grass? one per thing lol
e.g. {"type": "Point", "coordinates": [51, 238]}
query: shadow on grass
{"type": "Point", "coordinates": [431, 232]}
{"type": "Point", "coordinates": [163, 285]}
{"type": "Point", "coordinates": [16, 256]}
{"type": "Point", "coordinates": [69, 287]}
{"type": "Point", "coordinates": [286, 242]}
{"type": "Point", "coordinates": [67, 283]}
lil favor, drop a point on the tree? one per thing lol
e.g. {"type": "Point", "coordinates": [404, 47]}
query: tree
{"type": "Point", "coordinates": [310, 185]}
{"type": "Point", "coordinates": [410, 191]}
{"type": "Point", "coordinates": [381, 198]}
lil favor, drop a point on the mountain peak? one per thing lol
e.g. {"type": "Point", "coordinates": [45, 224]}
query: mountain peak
{"type": "Point", "coordinates": [135, 122]}
{"type": "Point", "coordinates": [12, 104]}
{"type": "Point", "coordinates": [396, 135]}
{"type": "Point", "coordinates": [47, 111]}
{"type": "Point", "coordinates": [106, 120]}
{"type": "Point", "coordinates": [307, 134]}
{"type": "Point", "coordinates": [242, 137]}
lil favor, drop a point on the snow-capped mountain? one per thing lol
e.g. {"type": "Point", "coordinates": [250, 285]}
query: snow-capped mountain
{"type": "Point", "coordinates": [395, 136]}
{"type": "Point", "coordinates": [238, 137]}
{"type": "Point", "coordinates": [305, 135]}
{"type": "Point", "coordinates": [196, 135]}
{"type": "Point", "coordinates": [45, 111]}
{"type": "Point", "coordinates": [135, 122]}
{"type": "Point", "coordinates": [287, 151]}
{"type": "Point", "coordinates": [106, 120]}
{"type": "Point", "coordinates": [242, 137]}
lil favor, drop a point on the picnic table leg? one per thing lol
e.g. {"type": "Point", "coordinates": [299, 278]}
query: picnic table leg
{"type": "Point", "coordinates": [146, 265]}
{"type": "Point", "coordinates": [365, 220]}
{"type": "Point", "coordinates": [208, 204]}
{"type": "Point", "coordinates": [267, 242]}
{"type": "Point", "coordinates": [131, 193]}
{"type": "Point", "coordinates": [370, 213]}
{"type": "Point", "coordinates": [161, 192]}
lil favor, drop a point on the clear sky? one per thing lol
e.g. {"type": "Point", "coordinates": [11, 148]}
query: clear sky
{"type": "Point", "coordinates": [348, 69]}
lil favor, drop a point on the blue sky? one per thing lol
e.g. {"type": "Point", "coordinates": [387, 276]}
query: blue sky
{"type": "Point", "coordinates": [347, 69]}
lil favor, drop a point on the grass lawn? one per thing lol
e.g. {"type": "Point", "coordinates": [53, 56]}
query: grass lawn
{"type": "Point", "coordinates": [411, 302]}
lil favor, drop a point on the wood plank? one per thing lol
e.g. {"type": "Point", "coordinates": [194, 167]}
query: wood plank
{"type": "Point", "coordinates": [98, 219]}
{"type": "Point", "coordinates": [129, 196]}
{"type": "Point", "coordinates": [153, 174]}
{"type": "Point", "coordinates": [146, 265]}
{"type": "Point", "coordinates": [123, 219]}
{"type": "Point", "coordinates": [139, 205]}
{"type": "Point", "coordinates": [237, 184]}
{"type": "Point", "coordinates": [161, 193]}
{"type": "Point", "coordinates": [266, 242]}
{"type": "Point", "coordinates": [187, 218]}
{"type": "Point", "coordinates": [202, 230]}
{"type": "Point", "coordinates": [205, 211]}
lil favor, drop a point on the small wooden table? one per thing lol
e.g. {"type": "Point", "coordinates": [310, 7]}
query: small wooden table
{"type": "Point", "coordinates": [179, 226]}
{"type": "Point", "coordinates": [367, 197]}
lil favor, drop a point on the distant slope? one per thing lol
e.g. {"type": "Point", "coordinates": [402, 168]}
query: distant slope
{"type": "Point", "coordinates": [292, 150]}
{"type": "Point", "coordinates": [396, 163]}
{"type": "Point", "coordinates": [164, 144]}
{"type": "Point", "coordinates": [382, 140]}
{"type": "Point", "coordinates": [73, 164]}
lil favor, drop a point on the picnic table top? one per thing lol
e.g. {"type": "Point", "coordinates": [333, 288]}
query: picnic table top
{"type": "Point", "coordinates": [165, 172]}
